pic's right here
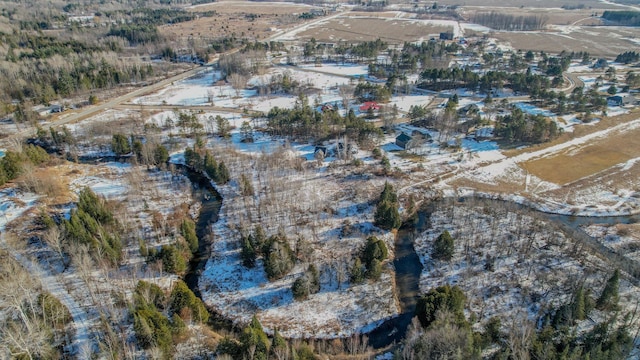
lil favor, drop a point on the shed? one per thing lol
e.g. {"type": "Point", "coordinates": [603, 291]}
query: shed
{"type": "Point", "coordinates": [403, 140]}
{"type": "Point", "coordinates": [446, 35]}
{"type": "Point", "coordinates": [320, 150]}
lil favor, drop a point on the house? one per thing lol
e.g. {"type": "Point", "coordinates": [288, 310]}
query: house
{"type": "Point", "coordinates": [446, 35]}
{"type": "Point", "coordinates": [320, 151]}
{"type": "Point", "coordinates": [469, 110]}
{"type": "Point", "coordinates": [618, 100]}
{"type": "Point", "coordinates": [370, 105]}
{"type": "Point", "coordinates": [44, 111]}
{"type": "Point", "coordinates": [56, 108]}
{"type": "Point", "coordinates": [403, 140]}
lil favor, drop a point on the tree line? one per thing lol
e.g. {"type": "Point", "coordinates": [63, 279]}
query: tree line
{"type": "Point", "coordinates": [626, 18]}
{"type": "Point", "coordinates": [498, 21]}
{"type": "Point", "coordinates": [452, 78]}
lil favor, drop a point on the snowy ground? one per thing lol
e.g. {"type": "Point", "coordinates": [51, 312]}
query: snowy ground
{"type": "Point", "coordinates": [333, 219]}
{"type": "Point", "coordinates": [329, 204]}
{"type": "Point", "coordinates": [507, 261]}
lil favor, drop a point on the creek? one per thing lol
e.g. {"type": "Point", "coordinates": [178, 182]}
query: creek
{"type": "Point", "coordinates": [408, 266]}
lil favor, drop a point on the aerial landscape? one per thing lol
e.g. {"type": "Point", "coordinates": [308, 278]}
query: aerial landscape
{"type": "Point", "coordinates": [320, 179]}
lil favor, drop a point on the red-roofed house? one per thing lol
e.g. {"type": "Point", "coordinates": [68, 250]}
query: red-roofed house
{"type": "Point", "coordinates": [370, 105]}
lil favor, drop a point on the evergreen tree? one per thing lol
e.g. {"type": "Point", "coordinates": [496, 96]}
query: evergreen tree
{"type": "Point", "coordinates": [446, 297]}
{"type": "Point", "coordinates": [254, 342]}
{"type": "Point", "coordinates": [120, 144]}
{"type": "Point", "coordinates": [188, 231]}
{"type": "Point", "coordinates": [279, 347]}
{"type": "Point", "coordinates": [160, 155]}
{"type": "Point", "coordinates": [259, 238]}
{"type": "Point", "coordinates": [609, 297]}
{"type": "Point", "coordinates": [443, 247]}
{"type": "Point", "coordinates": [579, 305]}
{"type": "Point", "coordinates": [172, 259]}
{"type": "Point", "coordinates": [223, 174]}
{"type": "Point", "coordinates": [386, 215]}
{"type": "Point", "coordinates": [182, 297]}
{"type": "Point", "coordinates": [278, 259]}
{"type": "Point", "coordinates": [357, 275]}
{"type": "Point", "coordinates": [248, 253]}
{"type": "Point", "coordinates": [211, 166]}
{"type": "Point", "coordinates": [374, 270]}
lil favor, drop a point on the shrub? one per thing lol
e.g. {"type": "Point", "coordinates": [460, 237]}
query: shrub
{"type": "Point", "coordinates": [449, 298]}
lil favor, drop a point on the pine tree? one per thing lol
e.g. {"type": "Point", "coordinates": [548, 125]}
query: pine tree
{"type": "Point", "coordinates": [188, 231]}
{"type": "Point", "coordinates": [579, 305]}
{"type": "Point", "coordinates": [386, 215]}
{"type": "Point", "coordinates": [223, 173]}
{"type": "Point", "coordinates": [248, 253]}
{"type": "Point", "coordinates": [120, 144]}
{"type": "Point", "coordinates": [609, 297]}
{"type": "Point", "coordinates": [443, 248]}
{"type": "Point", "coordinates": [357, 272]}
{"type": "Point", "coordinates": [211, 166]}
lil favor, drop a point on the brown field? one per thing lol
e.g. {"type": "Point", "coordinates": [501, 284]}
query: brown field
{"type": "Point", "coordinates": [553, 16]}
{"type": "Point", "coordinates": [595, 4]}
{"type": "Point", "coordinates": [236, 18]}
{"type": "Point", "coordinates": [574, 164]}
{"type": "Point", "coordinates": [369, 28]}
{"type": "Point", "coordinates": [597, 41]}
{"type": "Point", "coordinates": [258, 8]}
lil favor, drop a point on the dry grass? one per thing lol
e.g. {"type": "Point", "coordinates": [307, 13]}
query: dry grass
{"type": "Point", "coordinates": [252, 7]}
{"type": "Point", "coordinates": [553, 16]}
{"type": "Point", "coordinates": [396, 30]}
{"type": "Point", "coordinates": [573, 163]}
{"type": "Point", "coordinates": [596, 4]}
{"type": "Point", "coordinates": [235, 18]}
{"type": "Point", "coordinates": [566, 167]}
{"type": "Point", "coordinates": [580, 131]}
{"type": "Point", "coordinates": [597, 41]}
{"type": "Point", "coordinates": [49, 182]}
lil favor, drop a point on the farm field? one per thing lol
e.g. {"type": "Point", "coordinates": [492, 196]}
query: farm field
{"type": "Point", "coordinates": [599, 41]}
{"type": "Point", "coordinates": [366, 28]}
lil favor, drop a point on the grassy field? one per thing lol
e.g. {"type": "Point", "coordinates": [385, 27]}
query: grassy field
{"type": "Point", "coordinates": [552, 16]}
{"type": "Point", "coordinates": [576, 163]}
{"type": "Point", "coordinates": [369, 28]}
{"type": "Point", "coordinates": [597, 41]}
{"type": "Point", "coordinates": [595, 4]}
{"type": "Point", "coordinates": [239, 18]}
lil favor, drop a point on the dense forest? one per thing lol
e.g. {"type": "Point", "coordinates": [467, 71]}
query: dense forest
{"type": "Point", "coordinates": [498, 21]}
{"type": "Point", "coordinates": [625, 18]}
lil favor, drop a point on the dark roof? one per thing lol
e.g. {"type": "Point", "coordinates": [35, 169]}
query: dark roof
{"type": "Point", "coordinates": [403, 137]}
